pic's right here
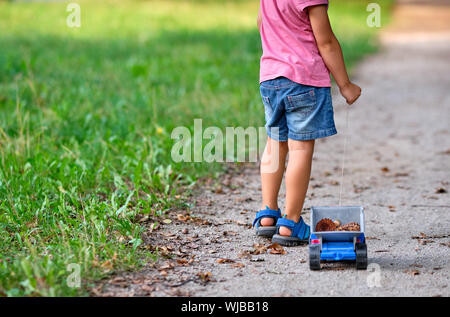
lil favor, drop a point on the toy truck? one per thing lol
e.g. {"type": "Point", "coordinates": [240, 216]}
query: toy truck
{"type": "Point", "coordinates": [337, 245]}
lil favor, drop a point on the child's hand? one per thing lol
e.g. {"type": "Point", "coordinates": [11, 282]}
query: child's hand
{"type": "Point", "coordinates": [350, 92]}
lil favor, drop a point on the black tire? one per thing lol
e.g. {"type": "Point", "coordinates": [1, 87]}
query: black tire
{"type": "Point", "coordinates": [314, 257]}
{"type": "Point", "coordinates": [361, 256]}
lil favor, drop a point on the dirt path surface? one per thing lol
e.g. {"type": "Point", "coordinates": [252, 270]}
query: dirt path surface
{"type": "Point", "coordinates": [398, 168]}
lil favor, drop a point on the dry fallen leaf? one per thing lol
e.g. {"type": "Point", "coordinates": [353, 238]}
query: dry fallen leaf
{"type": "Point", "coordinates": [385, 169]}
{"type": "Point", "coordinates": [351, 226]}
{"type": "Point", "coordinates": [220, 261]}
{"type": "Point", "coordinates": [205, 276]}
{"type": "Point", "coordinates": [412, 272]}
{"type": "Point", "coordinates": [166, 266]}
{"type": "Point", "coordinates": [168, 235]}
{"type": "Point", "coordinates": [278, 251]}
{"type": "Point", "coordinates": [238, 265]}
{"type": "Point", "coordinates": [275, 248]}
{"type": "Point", "coordinates": [154, 226]}
{"type": "Point", "coordinates": [164, 251]}
{"type": "Point", "coordinates": [184, 262]}
{"type": "Point", "coordinates": [259, 249]}
{"type": "Point", "coordinates": [163, 273]}
{"type": "Point", "coordinates": [182, 217]}
{"type": "Point", "coordinates": [200, 221]}
{"type": "Point", "coordinates": [118, 280]}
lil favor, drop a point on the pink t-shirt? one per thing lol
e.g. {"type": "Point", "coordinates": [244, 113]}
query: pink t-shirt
{"type": "Point", "coordinates": [289, 46]}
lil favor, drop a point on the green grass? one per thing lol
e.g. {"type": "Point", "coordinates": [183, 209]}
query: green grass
{"type": "Point", "coordinates": [86, 116]}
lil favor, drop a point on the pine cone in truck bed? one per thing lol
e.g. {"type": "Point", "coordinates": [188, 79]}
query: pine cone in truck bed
{"type": "Point", "coordinates": [351, 226]}
{"type": "Point", "coordinates": [325, 224]}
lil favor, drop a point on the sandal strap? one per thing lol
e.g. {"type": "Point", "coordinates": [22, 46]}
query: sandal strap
{"type": "Point", "coordinates": [302, 230]}
{"type": "Point", "coordinates": [267, 213]}
{"type": "Point", "coordinates": [283, 222]}
{"type": "Point", "coordinates": [298, 229]}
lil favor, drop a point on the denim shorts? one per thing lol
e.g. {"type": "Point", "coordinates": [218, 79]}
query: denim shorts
{"type": "Point", "coordinates": [297, 111]}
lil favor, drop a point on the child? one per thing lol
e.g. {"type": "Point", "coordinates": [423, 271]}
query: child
{"type": "Point", "coordinates": [299, 52]}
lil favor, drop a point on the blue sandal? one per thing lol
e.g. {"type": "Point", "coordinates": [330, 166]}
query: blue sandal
{"type": "Point", "coordinates": [266, 231]}
{"type": "Point", "coordinates": [300, 232]}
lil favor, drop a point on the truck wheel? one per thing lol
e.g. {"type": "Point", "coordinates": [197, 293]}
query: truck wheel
{"type": "Point", "coordinates": [361, 256]}
{"type": "Point", "coordinates": [314, 257]}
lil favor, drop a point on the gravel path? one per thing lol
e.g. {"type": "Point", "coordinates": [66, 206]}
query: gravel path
{"type": "Point", "coordinates": [398, 168]}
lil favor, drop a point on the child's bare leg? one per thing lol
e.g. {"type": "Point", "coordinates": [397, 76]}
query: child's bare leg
{"type": "Point", "coordinates": [297, 179]}
{"type": "Point", "coordinates": [272, 169]}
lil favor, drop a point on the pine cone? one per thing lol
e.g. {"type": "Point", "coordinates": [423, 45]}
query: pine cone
{"type": "Point", "coordinates": [351, 226]}
{"type": "Point", "coordinates": [325, 224]}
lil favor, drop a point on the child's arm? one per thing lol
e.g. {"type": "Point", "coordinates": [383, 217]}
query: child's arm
{"type": "Point", "coordinates": [331, 52]}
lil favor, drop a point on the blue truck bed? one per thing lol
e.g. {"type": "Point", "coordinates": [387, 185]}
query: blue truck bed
{"type": "Point", "coordinates": [338, 245]}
